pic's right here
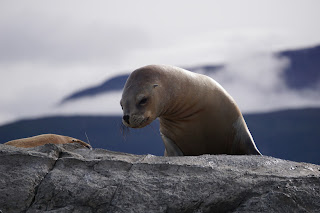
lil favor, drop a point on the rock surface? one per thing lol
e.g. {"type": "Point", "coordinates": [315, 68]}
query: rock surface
{"type": "Point", "coordinates": [67, 178]}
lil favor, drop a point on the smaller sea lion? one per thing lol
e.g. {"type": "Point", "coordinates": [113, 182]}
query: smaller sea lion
{"type": "Point", "coordinates": [40, 140]}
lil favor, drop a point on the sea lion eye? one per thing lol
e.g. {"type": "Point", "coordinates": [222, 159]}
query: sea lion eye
{"type": "Point", "coordinates": [143, 101]}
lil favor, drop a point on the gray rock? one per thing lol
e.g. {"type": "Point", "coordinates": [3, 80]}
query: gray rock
{"type": "Point", "coordinates": [69, 178]}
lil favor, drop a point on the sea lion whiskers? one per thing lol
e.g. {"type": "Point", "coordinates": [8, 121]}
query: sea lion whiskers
{"type": "Point", "coordinates": [88, 141]}
{"type": "Point", "coordinates": [144, 121]}
{"type": "Point", "coordinates": [124, 130]}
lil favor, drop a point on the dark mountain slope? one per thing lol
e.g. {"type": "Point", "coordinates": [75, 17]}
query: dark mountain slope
{"type": "Point", "coordinates": [304, 69]}
{"type": "Point", "coordinates": [290, 134]}
{"type": "Point", "coordinates": [112, 84]}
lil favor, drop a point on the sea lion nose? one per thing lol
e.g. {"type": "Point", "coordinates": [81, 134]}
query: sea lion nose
{"type": "Point", "coordinates": [126, 118]}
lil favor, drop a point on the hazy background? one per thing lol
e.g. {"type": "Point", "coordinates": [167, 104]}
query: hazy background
{"type": "Point", "coordinates": [50, 49]}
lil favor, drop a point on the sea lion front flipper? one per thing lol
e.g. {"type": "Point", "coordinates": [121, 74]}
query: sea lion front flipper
{"type": "Point", "coordinates": [171, 148]}
{"type": "Point", "coordinates": [82, 143]}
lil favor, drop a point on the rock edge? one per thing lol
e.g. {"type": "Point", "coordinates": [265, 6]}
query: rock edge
{"type": "Point", "coordinates": [69, 178]}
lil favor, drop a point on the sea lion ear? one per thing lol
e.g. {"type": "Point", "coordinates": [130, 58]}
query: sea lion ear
{"type": "Point", "coordinates": [155, 85]}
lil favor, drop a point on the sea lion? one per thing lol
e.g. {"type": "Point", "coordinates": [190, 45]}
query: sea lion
{"type": "Point", "coordinates": [197, 116]}
{"type": "Point", "coordinates": [40, 140]}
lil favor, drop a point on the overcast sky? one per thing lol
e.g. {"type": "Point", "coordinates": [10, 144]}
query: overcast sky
{"type": "Point", "coordinates": [48, 49]}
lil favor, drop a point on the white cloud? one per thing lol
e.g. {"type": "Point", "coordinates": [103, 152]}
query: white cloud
{"type": "Point", "coordinates": [33, 89]}
{"type": "Point", "coordinates": [42, 106]}
{"type": "Point", "coordinates": [57, 41]}
{"type": "Point", "coordinates": [253, 79]}
{"type": "Point", "coordinates": [256, 82]}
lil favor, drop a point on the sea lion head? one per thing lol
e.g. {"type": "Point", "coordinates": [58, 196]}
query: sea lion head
{"type": "Point", "coordinates": [139, 100]}
{"type": "Point", "coordinates": [75, 140]}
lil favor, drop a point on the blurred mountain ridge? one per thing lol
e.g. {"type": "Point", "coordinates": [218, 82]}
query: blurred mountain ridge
{"type": "Point", "coordinates": [287, 134]}
{"type": "Point", "coordinates": [302, 73]}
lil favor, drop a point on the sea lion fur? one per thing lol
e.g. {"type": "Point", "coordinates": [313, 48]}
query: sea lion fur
{"type": "Point", "coordinates": [40, 140]}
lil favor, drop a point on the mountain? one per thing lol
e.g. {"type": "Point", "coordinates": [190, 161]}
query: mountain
{"type": "Point", "coordinates": [303, 72]}
{"type": "Point", "coordinates": [288, 134]}
{"type": "Point", "coordinates": [112, 84]}
{"type": "Point", "coordinates": [304, 69]}
{"type": "Point", "coordinates": [117, 83]}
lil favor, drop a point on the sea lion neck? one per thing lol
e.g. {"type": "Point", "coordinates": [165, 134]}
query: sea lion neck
{"type": "Point", "coordinates": [178, 100]}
